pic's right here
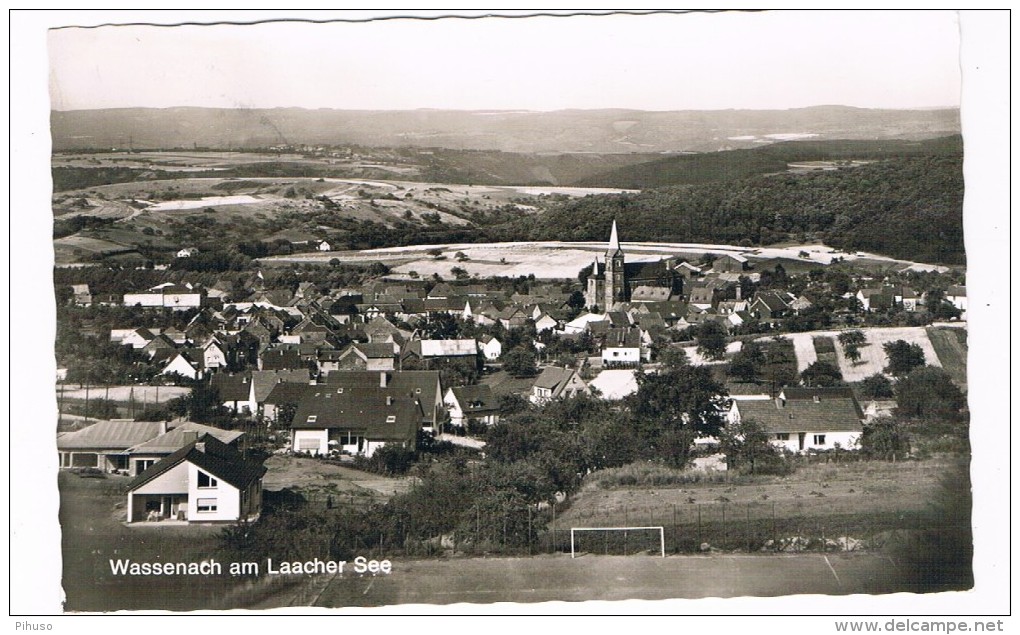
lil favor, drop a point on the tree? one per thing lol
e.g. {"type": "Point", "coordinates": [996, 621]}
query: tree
{"type": "Point", "coordinates": [852, 342]}
{"type": "Point", "coordinates": [885, 438]}
{"type": "Point", "coordinates": [747, 446]}
{"type": "Point", "coordinates": [929, 392]}
{"type": "Point", "coordinates": [877, 386]}
{"type": "Point", "coordinates": [903, 357]}
{"type": "Point", "coordinates": [674, 407]}
{"type": "Point", "coordinates": [673, 358]}
{"type": "Point", "coordinates": [747, 362]}
{"type": "Point", "coordinates": [519, 362]}
{"type": "Point", "coordinates": [822, 375]}
{"type": "Point", "coordinates": [711, 337]}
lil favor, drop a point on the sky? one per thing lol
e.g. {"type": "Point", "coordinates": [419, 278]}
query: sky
{"type": "Point", "coordinates": [672, 61]}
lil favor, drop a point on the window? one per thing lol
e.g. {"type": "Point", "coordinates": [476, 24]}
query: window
{"type": "Point", "coordinates": [819, 439]}
{"type": "Point", "coordinates": [782, 436]}
{"type": "Point", "coordinates": [391, 419]}
{"type": "Point", "coordinates": [205, 481]}
{"type": "Point", "coordinates": [207, 505]}
{"type": "Point", "coordinates": [312, 418]}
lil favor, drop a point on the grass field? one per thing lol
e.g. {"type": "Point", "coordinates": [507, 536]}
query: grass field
{"type": "Point", "coordinates": [591, 577]}
{"type": "Point", "coordinates": [862, 500]}
{"type": "Point", "coordinates": [950, 346]}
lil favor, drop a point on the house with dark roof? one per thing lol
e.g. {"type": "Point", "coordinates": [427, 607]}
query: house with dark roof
{"type": "Point", "coordinates": [557, 383]}
{"type": "Point", "coordinates": [622, 347]}
{"type": "Point", "coordinates": [423, 385]}
{"type": "Point", "coordinates": [472, 406]}
{"type": "Point", "coordinates": [206, 481]}
{"type": "Point", "coordinates": [805, 419]}
{"type": "Point", "coordinates": [147, 453]}
{"type": "Point", "coordinates": [357, 413]}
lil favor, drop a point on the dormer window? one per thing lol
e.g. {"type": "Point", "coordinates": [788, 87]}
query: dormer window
{"type": "Point", "coordinates": [312, 418]}
{"type": "Point", "coordinates": [391, 419]}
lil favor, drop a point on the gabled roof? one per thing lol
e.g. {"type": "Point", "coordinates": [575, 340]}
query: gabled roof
{"type": "Point", "coordinates": [288, 392]}
{"type": "Point", "coordinates": [109, 435]}
{"type": "Point", "coordinates": [417, 382]}
{"type": "Point", "coordinates": [232, 387]}
{"type": "Point", "coordinates": [372, 410]}
{"type": "Point", "coordinates": [553, 378]}
{"type": "Point", "coordinates": [837, 414]}
{"type": "Point", "coordinates": [218, 459]}
{"type": "Point", "coordinates": [266, 380]}
{"type": "Point", "coordinates": [181, 436]}
{"type": "Point", "coordinates": [477, 398]}
{"type": "Point", "coordinates": [623, 338]}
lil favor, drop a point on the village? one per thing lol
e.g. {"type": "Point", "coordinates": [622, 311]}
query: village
{"type": "Point", "coordinates": [377, 375]}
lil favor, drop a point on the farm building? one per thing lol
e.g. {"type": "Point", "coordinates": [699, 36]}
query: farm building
{"type": "Point", "coordinates": [206, 481]}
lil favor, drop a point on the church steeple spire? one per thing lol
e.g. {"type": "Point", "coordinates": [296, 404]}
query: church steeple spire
{"type": "Point", "coordinates": [614, 241]}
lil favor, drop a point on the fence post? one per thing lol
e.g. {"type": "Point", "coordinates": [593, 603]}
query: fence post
{"type": "Point", "coordinates": [676, 546]}
{"type": "Point", "coordinates": [748, 531]}
{"type": "Point", "coordinates": [699, 526]}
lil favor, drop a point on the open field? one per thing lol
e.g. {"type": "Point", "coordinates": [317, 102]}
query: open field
{"type": "Point", "coordinates": [317, 480]}
{"type": "Point", "coordinates": [873, 358]}
{"type": "Point", "coordinates": [551, 259]}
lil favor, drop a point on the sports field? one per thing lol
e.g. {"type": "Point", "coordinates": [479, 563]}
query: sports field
{"type": "Point", "coordinates": [591, 578]}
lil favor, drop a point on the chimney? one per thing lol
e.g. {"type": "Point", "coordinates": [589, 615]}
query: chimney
{"type": "Point", "coordinates": [162, 427]}
{"type": "Point", "coordinates": [389, 400]}
{"type": "Point", "coordinates": [780, 402]}
{"type": "Point", "coordinates": [817, 399]}
{"type": "Point", "coordinates": [740, 292]}
{"type": "Point", "coordinates": [382, 379]}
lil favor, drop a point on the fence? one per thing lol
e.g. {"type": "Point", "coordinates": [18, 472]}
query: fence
{"type": "Point", "coordinates": [765, 527]}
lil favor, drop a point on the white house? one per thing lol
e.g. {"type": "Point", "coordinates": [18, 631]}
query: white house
{"type": "Point", "coordinates": [324, 246]}
{"type": "Point", "coordinates": [622, 347]}
{"type": "Point", "coordinates": [187, 252]}
{"type": "Point", "coordinates": [813, 419]}
{"type": "Point", "coordinates": [491, 347]}
{"type": "Point", "coordinates": [472, 405]}
{"type": "Point", "coordinates": [206, 481]}
{"type": "Point", "coordinates": [556, 383]}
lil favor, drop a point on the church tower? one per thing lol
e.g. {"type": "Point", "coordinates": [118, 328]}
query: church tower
{"type": "Point", "coordinates": [616, 283]}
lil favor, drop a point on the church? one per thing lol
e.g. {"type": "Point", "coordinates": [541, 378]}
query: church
{"type": "Point", "coordinates": [615, 280]}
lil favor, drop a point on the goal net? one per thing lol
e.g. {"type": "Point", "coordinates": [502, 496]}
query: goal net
{"type": "Point", "coordinates": [617, 540]}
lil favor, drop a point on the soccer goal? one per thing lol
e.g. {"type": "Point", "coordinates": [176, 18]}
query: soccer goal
{"type": "Point", "coordinates": [587, 537]}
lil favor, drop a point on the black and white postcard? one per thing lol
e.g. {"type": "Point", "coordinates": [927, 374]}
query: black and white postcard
{"type": "Point", "coordinates": [576, 312]}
